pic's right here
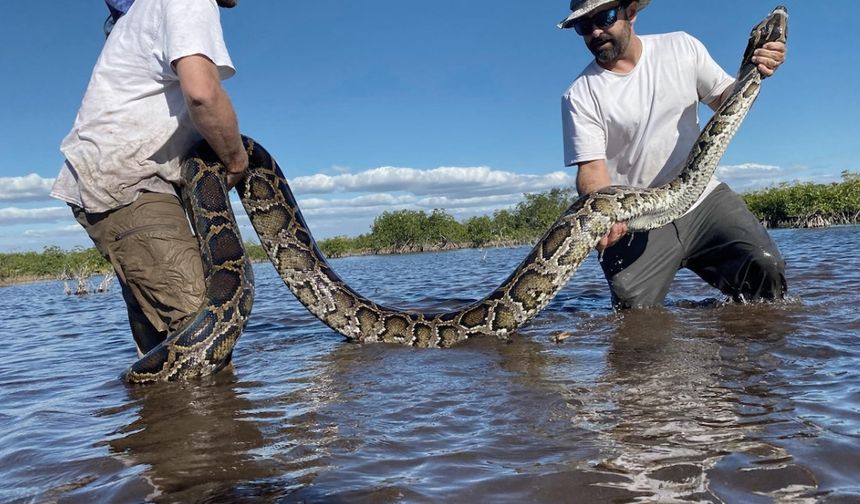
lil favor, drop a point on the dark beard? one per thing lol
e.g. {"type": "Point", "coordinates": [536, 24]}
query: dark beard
{"type": "Point", "coordinates": [616, 47]}
{"type": "Point", "coordinates": [607, 53]}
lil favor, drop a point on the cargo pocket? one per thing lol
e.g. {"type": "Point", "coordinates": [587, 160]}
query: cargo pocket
{"type": "Point", "coordinates": [162, 267]}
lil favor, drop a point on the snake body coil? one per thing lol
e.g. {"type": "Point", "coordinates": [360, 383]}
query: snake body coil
{"type": "Point", "coordinates": [205, 344]}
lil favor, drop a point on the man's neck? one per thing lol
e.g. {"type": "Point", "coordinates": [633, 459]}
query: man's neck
{"type": "Point", "coordinates": [626, 62]}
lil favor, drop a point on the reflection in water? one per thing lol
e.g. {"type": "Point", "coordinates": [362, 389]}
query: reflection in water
{"type": "Point", "coordinates": [194, 439]}
{"type": "Point", "coordinates": [694, 402]}
{"type": "Point", "coordinates": [225, 440]}
{"type": "Point", "coordinates": [681, 407]}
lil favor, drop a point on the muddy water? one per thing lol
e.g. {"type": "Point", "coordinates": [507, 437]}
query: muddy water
{"type": "Point", "coordinates": [698, 401]}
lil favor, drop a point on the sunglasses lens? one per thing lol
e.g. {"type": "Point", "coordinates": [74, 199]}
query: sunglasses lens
{"type": "Point", "coordinates": [582, 26]}
{"type": "Point", "coordinates": [605, 19]}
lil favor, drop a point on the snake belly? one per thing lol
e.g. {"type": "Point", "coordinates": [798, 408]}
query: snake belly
{"type": "Point", "coordinates": [204, 346]}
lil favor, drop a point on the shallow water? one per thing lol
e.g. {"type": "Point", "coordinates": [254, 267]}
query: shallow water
{"type": "Point", "coordinates": [699, 401]}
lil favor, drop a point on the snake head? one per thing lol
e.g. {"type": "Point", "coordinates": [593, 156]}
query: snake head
{"type": "Point", "coordinates": [773, 28]}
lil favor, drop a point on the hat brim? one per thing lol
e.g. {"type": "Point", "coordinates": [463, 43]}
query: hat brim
{"type": "Point", "coordinates": [588, 7]}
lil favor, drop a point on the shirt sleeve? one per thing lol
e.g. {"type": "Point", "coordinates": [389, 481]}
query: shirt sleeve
{"type": "Point", "coordinates": [583, 132]}
{"type": "Point", "coordinates": [711, 79]}
{"type": "Point", "coordinates": [194, 27]}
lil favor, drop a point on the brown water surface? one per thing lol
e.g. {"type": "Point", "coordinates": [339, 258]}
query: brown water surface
{"type": "Point", "coordinates": [697, 401]}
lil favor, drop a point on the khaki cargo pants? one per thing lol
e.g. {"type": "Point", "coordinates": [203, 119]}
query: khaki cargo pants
{"type": "Point", "coordinates": [157, 261]}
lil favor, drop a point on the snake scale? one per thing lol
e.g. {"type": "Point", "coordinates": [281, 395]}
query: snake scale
{"type": "Point", "coordinates": [204, 345]}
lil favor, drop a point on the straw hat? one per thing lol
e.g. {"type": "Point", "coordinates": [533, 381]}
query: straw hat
{"type": "Point", "coordinates": [580, 8]}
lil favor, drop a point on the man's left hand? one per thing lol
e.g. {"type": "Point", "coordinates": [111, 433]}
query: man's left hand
{"type": "Point", "coordinates": [769, 57]}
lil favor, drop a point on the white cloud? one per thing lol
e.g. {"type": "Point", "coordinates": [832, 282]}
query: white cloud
{"type": "Point", "coordinates": [368, 200]}
{"type": "Point", "coordinates": [30, 187]}
{"type": "Point", "coordinates": [496, 201]}
{"type": "Point", "coordinates": [752, 176]}
{"type": "Point", "coordinates": [371, 205]}
{"type": "Point", "coordinates": [748, 176]}
{"type": "Point", "coordinates": [461, 191]}
{"type": "Point", "coordinates": [13, 215]}
{"type": "Point", "coordinates": [69, 230]}
{"type": "Point", "coordinates": [340, 169]}
{"type": "Point", "coordinates": [748, 168]}
{"type": "Point", "coordinates": [445, 180]}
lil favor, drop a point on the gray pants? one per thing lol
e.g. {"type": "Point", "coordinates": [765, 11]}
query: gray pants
{"type": "Point", "coordinates": [720, 240]}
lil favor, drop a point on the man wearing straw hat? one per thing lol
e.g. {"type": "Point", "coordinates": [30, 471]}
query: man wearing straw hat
{"type": "Point", "coordinates": [630, 118]}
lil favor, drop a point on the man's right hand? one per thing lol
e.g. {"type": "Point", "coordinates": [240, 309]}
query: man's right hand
{"type": "Point", "coordinates": [591, 176]}
{"type": "Point", "coordinates": [236, 169]}
{"type": "Point", "coordinates": [618, 230]}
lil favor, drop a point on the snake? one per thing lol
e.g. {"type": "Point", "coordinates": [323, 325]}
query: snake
{"type": "Point", "coordinates": [204, 345]}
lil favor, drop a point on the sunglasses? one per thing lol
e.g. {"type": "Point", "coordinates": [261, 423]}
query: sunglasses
{"type": "Point", "coordinates": [585, 25]}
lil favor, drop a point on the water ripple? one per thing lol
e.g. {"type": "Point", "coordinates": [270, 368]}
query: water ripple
{"type": "Point", "coordinates": [697, 401]}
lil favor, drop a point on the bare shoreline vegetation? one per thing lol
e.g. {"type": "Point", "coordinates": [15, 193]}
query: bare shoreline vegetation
{"type": "Point", "coordinates": [798, 205]}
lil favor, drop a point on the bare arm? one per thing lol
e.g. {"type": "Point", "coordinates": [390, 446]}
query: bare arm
{"type": "Point", "coordinates": [212, 113]}
{"type": "Point", "coordinates": [591, 176]}
{"type": "Point", "coordinates": [723, 97]}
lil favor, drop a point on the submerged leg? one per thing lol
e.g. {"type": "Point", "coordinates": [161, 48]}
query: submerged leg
{"type": "Point", "coordinates": [640, 268]}
{"type": "Point", "coordinates": [728, 248]}
{"type": "Point", "coordinates": [157, 261]}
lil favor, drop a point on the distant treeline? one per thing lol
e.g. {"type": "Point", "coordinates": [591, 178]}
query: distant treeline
{"type": "Point", "coordinates": [808, 204]}
{"type": "Point", "coordinates": [418, 231]}
{"type": "Point", "coordinates": [392, 232]}
{"type": "Point", "coordinates": [786, 205]}
{"type": "Point", "coordinates": [52, 262]}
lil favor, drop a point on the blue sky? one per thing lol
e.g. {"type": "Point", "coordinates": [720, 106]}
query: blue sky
{"type": "Point", "coordinates": [384, 104]}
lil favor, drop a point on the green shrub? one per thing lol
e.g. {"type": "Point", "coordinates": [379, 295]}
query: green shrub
{"type": "Point", "coordinates": [786, 203]}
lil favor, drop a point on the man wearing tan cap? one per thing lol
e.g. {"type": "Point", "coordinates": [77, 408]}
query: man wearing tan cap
{"type": "Point", "coordinates": [630, 118]}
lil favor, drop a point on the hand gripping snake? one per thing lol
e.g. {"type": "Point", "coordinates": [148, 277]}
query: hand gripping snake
{"type": "Point", "coordinates": [204, 345]}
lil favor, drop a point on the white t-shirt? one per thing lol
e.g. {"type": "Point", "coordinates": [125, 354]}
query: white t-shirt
{"type": "Point", "coordinates": [643, 123]}
{"type": "Point", "coordinates": [133, 127]}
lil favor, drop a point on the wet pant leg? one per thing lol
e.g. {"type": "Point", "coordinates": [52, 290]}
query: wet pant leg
{"type": "Point", "coordinates": [728, 248]}
{"type": "Point", "coordinates": [155, 255]}
{"type": "Point", "coordinates": [641, 266]}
